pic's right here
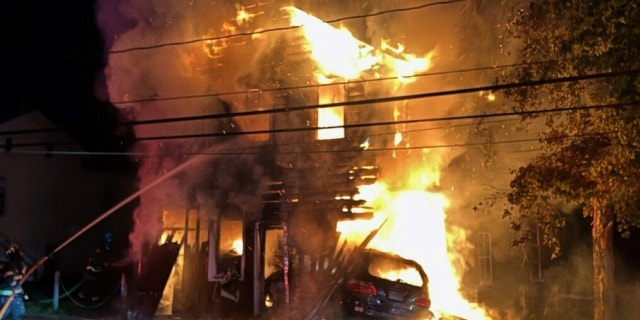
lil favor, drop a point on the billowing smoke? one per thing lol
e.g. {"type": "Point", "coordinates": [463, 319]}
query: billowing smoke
{"type": "Point", "coordinates": [153, 58]}
{"type": "Point", "coordinates": [142, 84]}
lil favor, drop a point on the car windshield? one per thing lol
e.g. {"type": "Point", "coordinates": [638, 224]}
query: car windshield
{"type": "Point", "coordinates": [394, 270]}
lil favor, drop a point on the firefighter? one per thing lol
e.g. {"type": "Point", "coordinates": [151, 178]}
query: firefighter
{"type": "Point", "coordinates": [12, 272]}
{"type": "Point", "coordinates": [97, 270]}
{"type": "Point", "coordinates": [94, 270]}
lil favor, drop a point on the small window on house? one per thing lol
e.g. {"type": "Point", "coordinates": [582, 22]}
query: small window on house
{"type": "Point", "coordinates": [332, 117]}
{"type": "Point", "coordinates": [485, 262]}
{"type": "Point", "coordinates": [3, 195]}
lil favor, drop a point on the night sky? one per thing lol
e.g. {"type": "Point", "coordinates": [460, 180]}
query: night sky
{"type": "Point", "coordinates": [52, 54]}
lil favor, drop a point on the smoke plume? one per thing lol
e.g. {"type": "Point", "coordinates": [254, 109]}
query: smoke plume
{"type": "Point", "coordinates": [154, 57]}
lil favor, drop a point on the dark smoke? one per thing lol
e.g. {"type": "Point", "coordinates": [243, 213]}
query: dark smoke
{"type": "Point", "coordinates": [462, 35]}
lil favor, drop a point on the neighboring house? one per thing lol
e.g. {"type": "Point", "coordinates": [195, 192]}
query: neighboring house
{"type": "Point", "coordinates": [48, 194]}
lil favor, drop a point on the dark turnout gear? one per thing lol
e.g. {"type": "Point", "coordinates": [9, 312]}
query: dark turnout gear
{"type": "Point", "coordinates": [12, 273]}
{"type": "Point", "coordinates": [94, 274]}
{"type": "Point", "coordinates": [16, 308]}
{"type": "Point", "coordinates": [96, 262]}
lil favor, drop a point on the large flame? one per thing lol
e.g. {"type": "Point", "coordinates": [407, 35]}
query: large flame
{"type": "Point", "coordinates": [416, 229]}
{"type": "Point", "coordinates": [336, 51]}
{"type": "Point", "coordinates": [415, 218]}
{"type": "Point", "coordinates": [339, 54]}
{"type": "Point", "coordinates": [415, 225]}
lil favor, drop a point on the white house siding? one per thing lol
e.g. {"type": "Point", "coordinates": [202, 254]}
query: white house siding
{"type": "Point", "coordinates": [51, 198]}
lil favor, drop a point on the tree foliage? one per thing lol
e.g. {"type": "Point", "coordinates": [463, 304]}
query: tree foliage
{"type": "Point", "coordinates": [590, 157]}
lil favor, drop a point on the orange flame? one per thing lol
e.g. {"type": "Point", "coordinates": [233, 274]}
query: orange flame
{"type": "Point", "coordinates": [238, 246]}
{"type": "Point", "coordinates": [215, 48]}
{"type": "Point", "coordinates": [331, 117]}
{"type": "Point", "coordinates": [416, 229]}
{"type": "Point", "coordinates": [339, 54]}
{"type": "Point", "coordinates": [415, 218]}
{"type": "Point", "coordinates": [242, 16]}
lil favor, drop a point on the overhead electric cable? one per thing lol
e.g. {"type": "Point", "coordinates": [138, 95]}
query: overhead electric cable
{"type": "Point", "coordinates": [385, 123]}
{"type": "Point", "coordinates": [493, 87]}
{"type": "Point", "coordinates": [129, 123]}
{"type": "Point", "coordinates": [291, 144]}
{"type": "Point", "coordinates": [308, 86]}
{"type": "Point", "coordinates": [235, 152]}
{"type": "Point", "coordinates": [229, 115]}
{"type": "Point", "coordinates": [369, 124]}
{"type": "Point", "coordinates": [269, 30]}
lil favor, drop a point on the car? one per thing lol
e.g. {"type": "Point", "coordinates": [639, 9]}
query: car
{"type": "Point", "coordinates": [382, 285]}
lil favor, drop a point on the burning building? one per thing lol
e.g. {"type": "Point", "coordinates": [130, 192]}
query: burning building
{"type": "Point", "coordinates": [270, 142]}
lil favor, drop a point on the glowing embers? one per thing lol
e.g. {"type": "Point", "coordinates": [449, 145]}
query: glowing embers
{"type": "Point", "coordinates": [214, 48]}
{"type": "Point", "coordinates": [243, 16]}
{"type": "Point", "coordinates": [364, 175]}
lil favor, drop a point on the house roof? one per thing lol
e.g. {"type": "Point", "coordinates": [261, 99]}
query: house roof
{"type": "Point", "coordinates": [33, 131]}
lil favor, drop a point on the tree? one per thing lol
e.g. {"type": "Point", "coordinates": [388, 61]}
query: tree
{"type": "Point", "coordinates": [590, 156]}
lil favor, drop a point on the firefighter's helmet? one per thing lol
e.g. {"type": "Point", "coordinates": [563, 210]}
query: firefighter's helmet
{"type": "Point", "coordinates": [107, 238]}
{"type": "Point", "coordinates": [13, 249]}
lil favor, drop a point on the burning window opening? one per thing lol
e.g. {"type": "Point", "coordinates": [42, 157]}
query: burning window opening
{"type": "Point", "coordinates": [231, 238]}
{"type": "Point", "coordinates": [333, 116]}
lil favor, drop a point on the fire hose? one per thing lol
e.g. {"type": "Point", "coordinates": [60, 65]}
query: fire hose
{"type": "Point", "coordinates": [103, 216]}
{"type": "Point", "coordinates": [42, 260]}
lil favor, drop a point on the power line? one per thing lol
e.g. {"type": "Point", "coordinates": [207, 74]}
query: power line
{"type": "Point", "coordinates": [236, 153]}
{"type": "Point", "coordinates": [69, 143]}
{"type": "Point", "coordinates": [263, 31]}
{"type": "Point", "coordinates": [439, 119]}
{"type": "Point", "coordinates": [51, 144]}
{"type": "Point", "coordinates": [131, 123]}
{"type": "Point", "coordinates": [387, 123]}
{"type": "Point", "coordinates": [494, 87]}
{"type": "Point", "coordinates": [300, 87]}
{"type": "Point", "coordinates": [424, 95]}
{"type": "Point", "coordinates": [279, 110]}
